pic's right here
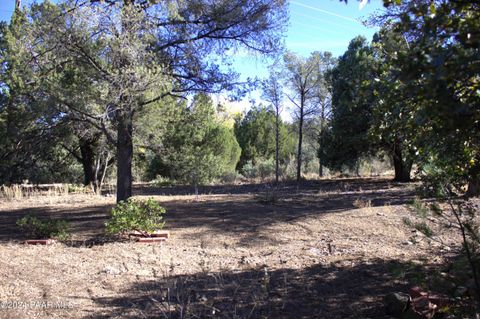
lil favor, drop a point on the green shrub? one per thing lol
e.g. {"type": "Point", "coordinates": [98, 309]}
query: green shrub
{"type": "Point", "coordinates": [266, 168]}
{"type": "Point", "coordinates": [38, 229]}
{"type": "Point", "coordinates": [229, 178]}
{"type": "Point", "coordinates": [249, 170]}
{"type": "Point", "coordinates": [140, 215]}
{"type": "Point", "coordinates": [263, 169]}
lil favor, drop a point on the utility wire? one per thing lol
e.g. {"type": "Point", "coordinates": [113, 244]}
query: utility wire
{"type": "Point", "coordinates": [326, 12]}
{"type": "Point", "coordinates": [346, 27]}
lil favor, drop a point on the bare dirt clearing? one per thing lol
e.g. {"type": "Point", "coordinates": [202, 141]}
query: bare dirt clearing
{"type": "Point", "coordinates": [331, 250]}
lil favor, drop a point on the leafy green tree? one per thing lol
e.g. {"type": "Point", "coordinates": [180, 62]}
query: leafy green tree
{"type": "Point", "coordinates": [42, 142]}
{"type": "Point", "coordinates": [138, 53]}
{"type": "Point", "coordinates": [392, 128]}
{"type": "Point", "coordinates": [151, 126]}
{"type": "Point", "coordinates": [441, 70]}
{"type": "Point", "coordinates": [255, 134]}
{"type": "Point", "coordinates": [198, 148]}
{"type": "Point", "coordinates": [30, 129]}
{"type": "Point", "coordinates": [371, 106]}
{"type": "Point", "coordinates": [346, 139]}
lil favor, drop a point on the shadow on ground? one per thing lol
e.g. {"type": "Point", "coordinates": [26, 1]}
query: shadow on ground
{"type": "Point", "coordinates": [354, 291]}
{"type": "Point", "coordinates": [242, 209]}
{"type": "Point", "coordinates": [86, 223]}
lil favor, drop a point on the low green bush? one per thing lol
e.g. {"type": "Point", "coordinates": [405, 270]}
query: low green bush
{"type": "Point", "coordinates": [141, 215]}
{"type": "Point", "coordinates": [42, 229]}
{"type": "Point", "coordinates": [263, 169]}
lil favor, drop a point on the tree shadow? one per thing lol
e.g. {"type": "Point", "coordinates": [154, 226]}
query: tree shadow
{"type": "Point", "coordinates": [86, 223]}
{"type": "Point", "coordinates": [308, 186]}
{"type": "Point", "coordinates": [249, 215]}
{"type": "Point", "coordinates": [336, 291]}
{"type": "Point", "coordinates": [240, 211]}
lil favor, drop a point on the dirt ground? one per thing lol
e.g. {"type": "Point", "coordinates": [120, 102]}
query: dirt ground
{"type": "Point", "coordinates": [331, 249]}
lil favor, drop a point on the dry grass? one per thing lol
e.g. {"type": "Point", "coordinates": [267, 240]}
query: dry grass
{"type": "Point", "coordinates": [22, 191]}
{"type": "Point", "coordinates": [360, 203]}
{"type": "Point", "coordinates": [11, 192]}
{"type": "Point", "coordinates": [229, 257]}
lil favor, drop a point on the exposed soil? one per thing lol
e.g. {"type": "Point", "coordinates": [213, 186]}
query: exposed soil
{"type": "Point", "coordinates": [331, 249]}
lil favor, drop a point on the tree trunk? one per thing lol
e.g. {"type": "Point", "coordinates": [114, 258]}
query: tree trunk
{"type": "Point", "coordinates": [87, 158]}
{"type": "Point", "coordinates": [474, 181]}
{"type": "Point", "coordinates": [322, 125]}
{"type": "Point", "coordinates": [402, 167]}
{"type": "Point", "coordinates": [277, 137]}
{"type": "Point", "coordinates": [196, 191]}
{"type": "Point", "coordinates": [473, 187]}
{"type": "Point", "coordinates": [124, 156]}
{"type": "Point", "coordinates": [300, 138]}
{"type": "Point", "coordinates": [101, 177]}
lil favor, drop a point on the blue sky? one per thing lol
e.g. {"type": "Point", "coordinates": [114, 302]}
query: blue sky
{"type": "Point", "coordinates": [315, 25]}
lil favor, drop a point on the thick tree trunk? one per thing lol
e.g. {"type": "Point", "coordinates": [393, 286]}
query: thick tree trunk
{"type": "Point", "coordinates": [402, 167]}
{"type": "Point", "coordinates": [124, 156]}
{"type": "Point", "coordinates": [87, 158]}
{"type": "Point", "coordinates": [320, 168]}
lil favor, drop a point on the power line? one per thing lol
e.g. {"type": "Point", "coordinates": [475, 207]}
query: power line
{"type": "Point", "coordinates": [325, 11]}
{"type": "Point", "coordinates": [323, 21]}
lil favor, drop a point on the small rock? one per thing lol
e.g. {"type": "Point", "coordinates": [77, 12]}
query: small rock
{"type": "Point", "coordinates": [407, 243]}
{"type": "Point", "coordinates": [396, 303]}
{"type": "Point", "coordinates": [315, 251]}
{"type": "Point", "coordinates": [109, 270]}
{"type": "Point", "coordinates": [244, 260]}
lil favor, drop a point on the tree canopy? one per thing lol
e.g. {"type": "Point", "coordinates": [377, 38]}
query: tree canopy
{"type": "Point", "coordinates": [136, 53]}
{"type": "Point", "coordinates": [440, 71]}
{"type": "Point", "coordinates": [255, 133]}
